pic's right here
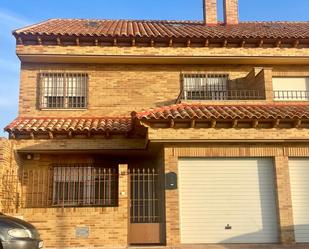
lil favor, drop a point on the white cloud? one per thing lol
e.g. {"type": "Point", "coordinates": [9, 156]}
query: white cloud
{"type": "Point", "coordinates": [12, 19]}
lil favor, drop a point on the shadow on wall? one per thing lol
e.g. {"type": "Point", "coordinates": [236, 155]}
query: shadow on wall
{"type": "Point", "coordinates": [301, 234]}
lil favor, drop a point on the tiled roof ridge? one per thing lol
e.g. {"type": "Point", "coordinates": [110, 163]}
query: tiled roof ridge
{"type": "Point", "coordinates": [33, 25]}
{"type": "Point", "coordinates": [169, 107]}
{"type": "Point", "coordinates": [160, 21]}
{"type": "Point", "coordinates": [165, 29]}
{"type": "Point", "coordinates": [197, 22]}
{"type": "Point", "coordinates": [20, 30]}
{"type": "Point", "coordinates": [185, 110]}
{"type": "Point", "coordinates": [74, 117]}
{"type": "Point", "coordinates": [125, 20]}
{"type": "Point", "coordinates": [114, 122]}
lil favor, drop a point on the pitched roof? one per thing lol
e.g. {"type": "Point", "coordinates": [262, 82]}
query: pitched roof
{"type": "Point", "coordinates": [166, 29]}
{"type": "Point", "coordinates": [200, 111]}
{"type": "Point", "coordinates": [80, 124]}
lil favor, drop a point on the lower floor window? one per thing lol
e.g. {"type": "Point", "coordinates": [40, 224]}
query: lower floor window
{"type": "Point", "coordinates": [67, 185]}
{"type": "Point", "coordinates": [84, 186]}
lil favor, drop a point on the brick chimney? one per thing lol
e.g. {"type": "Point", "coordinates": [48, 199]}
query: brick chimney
{"type": "Point", "coordinates": [210, 12]}
{"type": "Point", "coordinates": [230, 12]}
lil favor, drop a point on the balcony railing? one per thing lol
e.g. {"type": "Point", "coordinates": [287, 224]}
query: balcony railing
{"type": "Point", "coordinates": [221, 95]}
{"type": "Point", "coordinates": [291, 95]}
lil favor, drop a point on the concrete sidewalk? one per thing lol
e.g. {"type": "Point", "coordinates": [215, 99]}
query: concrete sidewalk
{"type": "Point", "coordinates": [235, 246]}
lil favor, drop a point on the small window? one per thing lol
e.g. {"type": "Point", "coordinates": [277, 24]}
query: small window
{"type": "Point", "coordinates": [63, 90]}
{"type": "Point", "coordinates": [205, 86]}
{"type": "Point", "coordinates": [291, 88]}
{"type": "Point", "coordinates": [84, 186]}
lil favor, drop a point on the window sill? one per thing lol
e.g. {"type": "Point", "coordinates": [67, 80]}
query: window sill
{"type": "Point", "coordinates": [66, 109]}
{"type": "Point", "coordinates": [291, 100]}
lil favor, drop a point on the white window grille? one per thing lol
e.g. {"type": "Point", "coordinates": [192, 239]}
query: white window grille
{"type": "Point", "coordinates": [205, 86]}
{"type": "Point", "coordinates": [291, 88]}
{"type": "Point", "coordinates": [63, 90]}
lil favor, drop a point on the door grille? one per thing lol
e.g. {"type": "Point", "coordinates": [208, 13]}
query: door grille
{"type": "Point", "coordinates": [144, 196]}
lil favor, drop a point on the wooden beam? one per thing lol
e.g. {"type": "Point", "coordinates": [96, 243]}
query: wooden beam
{"type": "Point", "coordinates": [225, 43]}
{"type": "Point", "coordinates": [193, 123]}
{"type": "Point", "coordinates": [296, 43]}
{"type": "Point", "coordinates": [107, 134]}
{"type": "Point", "coordinates": [77, 41]}
{"type": "Point", "coordinates": [89, 134]}
{"type": "Point", "coordinates": [152, 43]}
{"type": "Point", "coordinates": [213, 123]}
{"type": "Point", "coordinates": [50, 135]}
{"type": "Point", "coordinates": [298, 123]}
{"type": "Point", "coordinates": [96, 42]}
{"type": "Point", "coordinates": [58, 41]}
{"type": "Point", "coordinates": [276, 123]}
{"type": "Point", "coordinates": [31, 135]}
{"type": "Point", "coordinates": [12, 135]}
{"type": "Point", "coordinates": [278, 43]}
{"type": "Point", "coordinates": [206, 43]}
{"type": "Point", "coordinates": [235, 123]}
{"type": "Point", "coordinates": [170, 44]}
{"type": "Point", "coordinates": [255, 123]}
{"type": "Point", "coordinates": [172, 123]}
{"type": "Point", "coordinates": [115, 42]}
{"type": "Point", "coordinates": [243, 43]}
{"type": "Point", "coordinates": [39, 40]}
{"type": "Point", "coordinates": [133, 42]}
{"type": "Point", "coordinates": [70, 134]}
{"type": "Point", "coordinates": [188, 43]}
{"type": "Point", "coordinates": [20, 40]}
{"type": "Point", "coordinates": [261, 43]}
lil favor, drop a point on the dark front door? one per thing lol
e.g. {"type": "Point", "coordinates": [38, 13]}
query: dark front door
{"type": "Point", "coordinates": [145, 209]}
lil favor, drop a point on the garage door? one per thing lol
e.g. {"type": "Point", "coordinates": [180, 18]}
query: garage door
{"type": "Point", "coordinates": [299, 177]}
{"type": "Point", "coordinates": [227, 201]}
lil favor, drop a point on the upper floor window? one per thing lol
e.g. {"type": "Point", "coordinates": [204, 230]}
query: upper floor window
{"type": "Point", "coordinates": [291, 88]}
{"type": "Point", "coordinates": [63, 90]}
{"type": "Point", "coordinates": [205, 86]}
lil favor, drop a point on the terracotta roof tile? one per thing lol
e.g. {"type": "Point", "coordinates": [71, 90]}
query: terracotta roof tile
{"type": "Point", "coordinates": [114, 125]}
{"type": "Point", "coordinates": [180, 111]}
{"type": "Point", "coordinates": [166, 29]}
{"type": "Point", "coordinates": [199, 111]}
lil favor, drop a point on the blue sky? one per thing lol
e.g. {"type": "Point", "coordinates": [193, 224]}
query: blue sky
{"type": "Point", "coordinates": [18, 13]}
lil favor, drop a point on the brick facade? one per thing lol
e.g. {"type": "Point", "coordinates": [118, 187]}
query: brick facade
{"type": "Point", "coordinates": [115, 220]}
{"type": "Point", "coordinates": [141, 86]}
{"type": "Point", "coordinates": [123, 79]}
{"type": "Point", "coordinates": [113, 51]}
{"type": "Point", "coordinates": [7, 158]}
{"type": "Point", "coordinates": [108, 226]}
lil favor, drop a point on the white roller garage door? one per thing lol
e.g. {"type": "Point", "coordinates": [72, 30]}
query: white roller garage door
{"type": "Point", "coordinates": [227, 201]}
{"type": "Point", "coordinates": [299, 178]}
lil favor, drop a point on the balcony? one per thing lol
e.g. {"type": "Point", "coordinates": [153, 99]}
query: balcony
{"type": "Point", "coordinates": [291, 95]}
{"type": "Point", "coordinates": [201, 94]}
